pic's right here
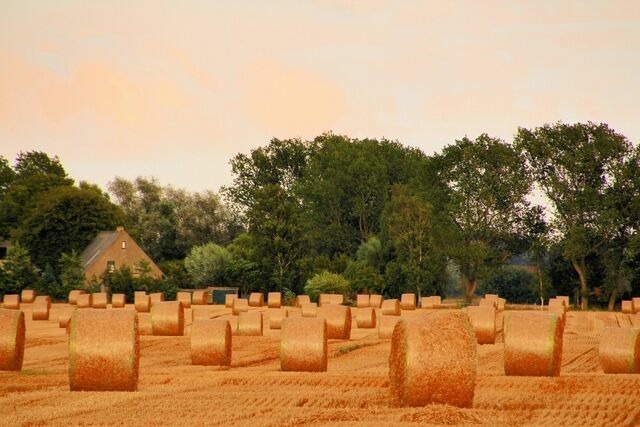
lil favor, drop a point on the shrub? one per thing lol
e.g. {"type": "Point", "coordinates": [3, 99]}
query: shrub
{"type": "Point", "coordinates": [326, 283]}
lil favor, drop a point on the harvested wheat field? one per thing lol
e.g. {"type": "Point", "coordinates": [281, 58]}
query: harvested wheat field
{"type": "Point", "coordinates": [353, 391]}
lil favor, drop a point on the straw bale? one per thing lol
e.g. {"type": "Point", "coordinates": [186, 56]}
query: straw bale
{"type": "Point", "coordinates": [303, 344]}
{"type": "Point", "coordinates": [433, 361]}
{"type": "Point", "coordinates": [274, 299]}
{"type": "Point", "coordinates": [156, 297]}
{"type": "Point", "coordinates": [64, 319]}
{"type": "Point", "coordinates": [233, 321]}
{"type": "Point", "coordinates": [309, 309]}
{"type": "Point", "coordinates": [437, 301]}
{"type": "Point", "coordinates": [211, 342]}
{"type": "Point", "coordinates": [627, 307]}
{"type": "Point", "coordinates": [142, 302]}
{"type": "Point", "coordinates": [619, 350]}
{"type": "Point", "coordinates": [302, 299]}
{"type": "Point", "coordinates": [118, 300]}
{"type": "Point", "coordinates": [200, 298]}
{"type": "Point", "coordinates": [184, 298]}
{"type": "Point", "coordinates": [635, 319]}
{"type": "Point", "coordinates": [250, 323]}
{"type": "Point", "coordinates": [73, 295]}
{"type": "Point", "coordinates": [375, 301]}
{"type": "Point", "coordinates": [11, 302]}
{"type": "Point", "coordinates": [366, 317]}
{"type": "Point", "coordinates": [532, 344]}
{"type": "Point", "coordinates": [408, 301]}
{"type": "Point", "coordinates": [391, 307]}
{"type": "Point", "coordinates": [362, 300]}
{"type": "Point", "coordinates": [492, 297]}
{"type": "Point", "coordinates": [386, 325]}
{"type": "Point", "coordinates": [27, 296]}
{"type": "Point", "coordinates": [483, 321]}
{"type": "Point", "coordinates": [12, 334]}
{"type": "Point", "coordinates": [501, 304]}
{"type": "Point", "coordinates": [293, 311]}
{"type": "Point", "coordinates": [275, 317]}
{"type": "Point", "coordinates": [336, 299]}
{"type": "Point", "coordinates": [99, 300]}
{"type": "Point", "coordinates": [338, 320]}
{"type": "Point", "coordinates": [567, 303]}
{"type": "Point", "coordinates": [324, 299]}
{"type": "Point", "coordinates": [200, 312]}
{"type": "Point", "coordinates": [634, 301]}
{"type": "Point", "coordinates": [240, 305]}
{"type": "Point", "coordinates": [167, 318]}
{"type": "Point", "coordinates": [41, 307]}
{"type": "Point", "coordinates": [104, 350]}
{"type": "Point", "coordinates": [144, 324]}
{"type": "Point", "coordinates": [556, 302]}
{"type": "Point", "coordinates": [426, 302]}
{"type": "Point", "coordinates": [256, 299]}
{"type": "Point", "coordinates": [228, 299]}
{"type": "Point", "coordinates": [560, 311]}
{"type": "Point", "coordinates": [488, 303]}
{"type": "Point", "coordinates": [84, 300]}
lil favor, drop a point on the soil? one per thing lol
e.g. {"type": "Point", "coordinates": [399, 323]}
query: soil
{"type": "Point", "coordinates": [353, 391]}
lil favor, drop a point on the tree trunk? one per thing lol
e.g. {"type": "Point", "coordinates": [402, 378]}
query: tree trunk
{"type": "Point", "coordinates": [612, 300]}
{"type": "Point", "coordinates": [469, 289]}
{"type": "Point", "coordinates": [581, 269]}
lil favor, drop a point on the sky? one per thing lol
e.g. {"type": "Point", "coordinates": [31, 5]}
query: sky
{"type": "Point", "coordinates": [175, 89]}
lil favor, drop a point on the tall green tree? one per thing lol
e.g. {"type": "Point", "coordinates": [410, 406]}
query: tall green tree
{"type": "Point", "coordinates": [18, 272]}
{"type": "Point", "coordinates": [207, 264]}
{"type": "Point", "coordinates": [71, 274]}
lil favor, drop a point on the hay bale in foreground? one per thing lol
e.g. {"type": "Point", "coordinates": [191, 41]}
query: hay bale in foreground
{"type": "Point", "coordinates": [375, 301]}
{"type": "Point", "coordinates": [184, 298]}
{"type": "Point", "coordinates": [433, 361]}
{"type": "Point", "coordinates": [167, 318]}
{"type": "Point", "coordinates": [73, 296]}
{"type": "Point", "coordinates": [200, 298]}
{"type": "Point", "coordinates": [99, 300]}
{"type": "Point", "coordinates": [488, 303]}
{"type": "Point", "coordinates": [303, 345]}
{"type": "Point", "coordinates": [27, 296]}
{"type": "Point", "coordinates": [532, 344]}
{"type": "Point", "coordinates": [483, 321]}
{"type": "Point", "coordinates": [41, 307]}
{"type": "Point", "coordinates": [142, 302]}
{"type": "Point", "coordinates": [250, 323]}
{"type": "Point", "coordinates": [84, 300]}
{"type": "Point", "coordinates": [501, 304]}
{"type": "Point", "coordinates": [275, 317]}
{"type": "Point", "coordinates": [156, 297]}
{"type": "Point", "coordinates": [634, 301]}
{"type": "Point", "coordinates": [104, 350]}
{"type": "Point", "coordinates": [391, 307]}
{"type": "Point", "coordinates": [301, 299]}
{"type": "Point", "coordinates": [366, 317]}
{"type": "Point", "coordinates": [118, 300]}
{"type": "Point", "coordinates": [627, 307]}
{"type": "Point", "coordinates": [211, 342]}
{"type": "Point", "coordinates": [144, 324]}
{"type": "Point", "coordinates": [228, 299]}
{"type": "Point", "coordinates": [274, 300]}
{"type": "Point", "coordinates": [619, 350]}
{"type": "Point", "coordinates": [408, 301]}
{"type": "Point", "coordinates": [386, 324]}
{"type": "Point", "coordinates": [309, 309]}
{"type": "Point", "coordinates": [240, 305]}
{"type": "Point", "coordinates": [11, 302]}
{"type": "Point", "coordinates": [362, 301]}
{"type": "Point", "coordinates": [256, 299]}
{"type": "Point", "coordinates": [338, 319]}
{"type": "Point", "coordinates": [12, 337]}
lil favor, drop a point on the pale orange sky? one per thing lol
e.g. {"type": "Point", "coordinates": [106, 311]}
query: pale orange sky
{"type": "Point", "coordinates": [174, 89]}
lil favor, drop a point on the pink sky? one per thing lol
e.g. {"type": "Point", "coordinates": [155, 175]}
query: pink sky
{"type": "Point", "coordinates": [174, 89]}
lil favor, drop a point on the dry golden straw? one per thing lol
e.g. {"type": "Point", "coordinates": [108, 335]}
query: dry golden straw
{"type": "Point", "coordinates": [324, 299]}
{"type": "Point", "coordinates": [118, 300]}
{"type": "Point", "coordinates": [256, 299]}
{"type": "Point", "coordinates": [274, 299]}
{"type": "Point", "coordinates": [555, 302]}
{"type": "Point", "coordinates": [375, 301]}
{"type": "Point", "coordinates": [309, 309]}
{"type": "Point", "coordinates": [338, 319]}
{"type": "Point", "coordinates": [391, 307]}
{"type": "Point", "coordinates": [408, 301]}
{"type": "Point", "coordinates": [99, 300]}
{"type": "Point", "coordinates": [184, 298]}
{"type": "Point", "coordinates": [142, 302]}
{"type": "Point", "coordinates": [492, 297]}
{"type": "Point", "coordinates": [532, 344]}
{"type": "Point", "coordinates": [275, 317]}
{"type": "Point", "coordinates": [501, 304]}
{"type": "Point", "coordinates": [483, 321]}
{"type": "Point", "coordinates": [366, 317]}
{"type": "Point", "coordinates": [362, 301]}
{"type": "Point", "coordinates": [250, 323]}
{"type": "Point", "coordinates": [144, 324]}
{"type": "Point", "coordinates": [41, 307]}
{"type": "Point", "coordinates": [27, 296]}
{"type": "Point", "coordinates": [233, 322]}
{"type": "Point", "coordinates": [437, 301]}
{"type": "Point", "coordinates": [73, 296]}
{"type": "Point", "coordinates": [239, 305]}
{"type": "Point", "coordinates": [567, 303]}
{"type": "Point", "coordinates": [84, 301]}
{"type": "Point", "coordinates": [386, 325]}
{"type": "Point", "coordinates": [167, 318]}
{"type": "Point", "coordinates": [211, 342]}
{"type": "Point", "coordinates": [11, 302]}
{"type": "Point", "coordinates": [336, 298]}
{"type": "Point", "coordinates": [156, 297]}
{"type": "Point", "coordinates": [200, 312]}
{"type": "Point", "coordinates": [619, 350]}
{"type": "Point", "coordinates": [488, 303]}
{"type": "Point", "coordinates": [104, 350]}
{"type": "Point", "coordinates": [426, 302]}
{"type": "Point", "coordinates": [200, 298]}
{"type": "Point", "coordinates": [634, 301]}
{"type": "Point", "coordinates": [627, 307]}
{"type": "Point", "coordinates": [64, 319]}
{"type": "Point", "coordinates": [302, 299]}
{"type": "Point", "coordinates": [303, 345]}
{"type": "Point", "coordinates": [433, 361]}
{"type": "Point", "coordinates": [12, 331]}
{"type": "Point", "coordinates": [228, 300]}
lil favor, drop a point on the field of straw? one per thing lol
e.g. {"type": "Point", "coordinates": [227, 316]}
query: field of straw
{"type": "Point", "coordinates": [353, 391]}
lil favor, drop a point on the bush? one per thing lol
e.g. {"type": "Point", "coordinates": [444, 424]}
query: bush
{"type": "Point", "coordinates": [207, 264]}
{"type": "Point", "coordinates": [514, 284]}
{"type": "Point", "coordinates": [326, 283]}
{"type": "Point", "coordinates": [364, 278]}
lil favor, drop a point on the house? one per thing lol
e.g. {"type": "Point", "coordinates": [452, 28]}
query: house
{"type": "Point", "coordinates": [111, 250]}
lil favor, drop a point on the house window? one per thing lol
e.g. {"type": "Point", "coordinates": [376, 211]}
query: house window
{"type": "Point", "coordinates": [123, 245]}
{"type": "Point", "coordinates": [111, 266]}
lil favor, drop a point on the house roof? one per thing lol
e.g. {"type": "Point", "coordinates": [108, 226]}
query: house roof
{"type": "Point", "coordinates": [99, 244]}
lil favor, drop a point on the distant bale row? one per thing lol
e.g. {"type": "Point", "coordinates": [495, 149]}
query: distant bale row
{"type": "Point", "coordinates": [11, 302]}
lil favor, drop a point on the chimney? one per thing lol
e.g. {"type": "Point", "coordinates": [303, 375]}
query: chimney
{"type": "Point", "coordinates": [120, 229]}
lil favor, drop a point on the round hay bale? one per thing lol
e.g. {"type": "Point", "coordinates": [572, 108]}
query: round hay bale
{"type": "Point", "coordinates": [99, 300]}
{"type": "Point", "coordinates": [41, 307]}
{"type": "Point", "coordinates": [200, 312]}
{"type": "Point", "coordinates": [635, 320]}
{"type": "Point", "coordinates": [567, 303]}
{"type": "Point", "coordinates": [84, 300]}
{"type": "Point", "coordinates": [211, 342]}
{"type": "Point", "coordinates": [200, 298]}
{"type": "Point", "coordinates": [501, 304]}
{"type": "Point", "coordinates": [532, 344]}
{"type": "Point", "coordinates": [156, 297]}
{"type": "Point", "coordinates": [64, 319]}
{"type": "Point", "coordinates": [118, 300]}
{"type": "Point", "coordinates": [426, 302]}
{"type": "Point", "coordinates": [429, 356]}
{"type": "Point", "coordinates": [619, 350]}
{"type": "Point", "coordinates": [627, 307]}
{"type": "Point", "coordinates": [437, 301]}
{"type": "Point", "coordinates": [408, 301]}
{"type": "Point", "coordinates": [256, 299]}
{"type": "Point", "coordinates": [338, 319]}
{"type": "Point", "coordinates": [233, 322]}
{"type": "Point", "coordinates": [488, 303]}
{"type": "Point", "coordinates": [386, 325]}
{"type": "Point", "coordinates": [274, 299]}
{"type": "Point", "coordinates": [634, 301]}
{"type": "Point", "coordinates": [555, 302]}
{"type": "Point", "coordinates": [336, 299]}
{"type": "Point", "coordinates": [275, 317]}
{"type": "Point", "coordinates": [366, 317]}
{"type": "Point", "coordinates": [324, 299]}
{"type": "Point", "coordinates": [73, 296]}
{"type": "Point", "coordinates": [12, 331]}
{"type": "Point", "coordinates": [375, 301]}
{"type": "Point", "coordinates": [142, 302]}
{"type": "Point", "coordinates": [27, 296]}
{"type": "Point", "coordinates": [492, 297]}
{"type": "Point", "coordinates": [309, 309]}
{"type": "Point", "coordinates": [362, 301]}
{"type": "Point", "coordinates": [167, 318]}
{"type": "Point", "coordinates": [104, 350]}
{"type": "Point", "coordinates": [391, 307]}
{"type": "Point", "coordinates": [239, 305]}
{"type": "Point", "coordinates": [250, 323]}
{"type": "Point", "coordinates": [11, 302]}
{"type": "Point", "coordinates": [303, 345]}
{"type": "Point", "coordinates": [483, 321]}
{"type": "Point", "coordinates": [228, 299]}
{"type": "Point", "coordinates": [302, 299]}
{"type": "Point", "coordinates": [184, 298]}
{"type": "Point", "coordinates": [144, 324]}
